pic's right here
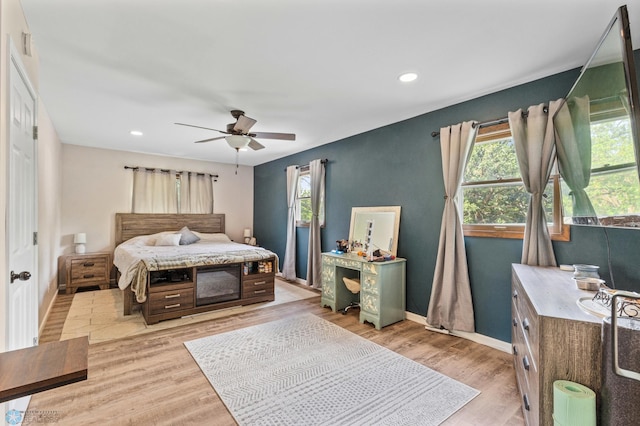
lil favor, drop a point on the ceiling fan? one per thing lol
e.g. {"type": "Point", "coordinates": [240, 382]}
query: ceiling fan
{"type": "Point", "coordinates": [238, 136]}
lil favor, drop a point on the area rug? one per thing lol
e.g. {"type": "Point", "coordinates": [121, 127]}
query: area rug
{"type": "Point", "coordinates": [304, 370]}
{"type": "Point", "coordinates": [99, 315]}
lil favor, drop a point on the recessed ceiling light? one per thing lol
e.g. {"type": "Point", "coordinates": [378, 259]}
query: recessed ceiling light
{"type": "Point", "coordinates": [136, 133]}
{"type": "Point", "coordinates": [407, 77]}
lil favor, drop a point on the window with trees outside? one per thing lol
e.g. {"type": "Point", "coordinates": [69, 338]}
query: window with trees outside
{"type": "Point", "coordinates": [303, 200]}
{"type": "Point", "coordinates": [493, 198]}
{"type": "Point", "coordinates": [613, 187]}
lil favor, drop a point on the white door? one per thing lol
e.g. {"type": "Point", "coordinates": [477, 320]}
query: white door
{"type": "Point", "coordinates": [22, 300]}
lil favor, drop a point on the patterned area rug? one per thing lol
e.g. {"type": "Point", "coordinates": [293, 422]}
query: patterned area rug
{"type": "Point", "coordinates": [308, 371]}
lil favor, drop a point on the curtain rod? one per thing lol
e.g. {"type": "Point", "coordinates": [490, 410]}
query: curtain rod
{"type": "Point", "coordinates": [493, 122]}
{"type": "Point", "coordinates": [153, 169]}
{"type": "Point", "coordinates": [324, 161]}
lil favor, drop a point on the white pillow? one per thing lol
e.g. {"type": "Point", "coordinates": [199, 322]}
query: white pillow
{"type": "Point", "coordinates": [168, 240]}
{"type": "Point", "coordinates": [217, 237]}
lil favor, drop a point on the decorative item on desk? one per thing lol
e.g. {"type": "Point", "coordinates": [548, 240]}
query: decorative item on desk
{"type": "Point", "coordinates": [342, 245]}
{"type": "Point", "coordinates": [247, 235]}
{"type": "Point", "coordinates": [80, 239]}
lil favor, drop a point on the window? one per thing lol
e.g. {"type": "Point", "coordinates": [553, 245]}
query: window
{"type": "Point", "coordinates": [303, 199]}
{"type": "Point", "coordinates": [492, 196]}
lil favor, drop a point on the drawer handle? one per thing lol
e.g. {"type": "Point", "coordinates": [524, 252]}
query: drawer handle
{"type": "Point", "coordinates": [177, 305]}
{"type": "Point", "coordinates": [525, 362]}
{"type": "Point", "coordinates": [515, 350]}
{"type": "Point", "coordinates": [172, 296]}
{"type": "Point", "coordinates": [88, 264]}
{"type": "Point", "coordinates": [259, 283]}
{"type": "Point", "coordinates": [515, 294]}
{"type": "Point", "coordinates": [88, 275]}
{"type": "Point", "coordinates": [525, 400]}
{"type": "Point", "coordinates": [259, 291]}
{"type": "Point", "coordinates": [525, 324]}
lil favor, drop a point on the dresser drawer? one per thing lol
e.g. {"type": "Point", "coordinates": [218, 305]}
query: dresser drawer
{"type": "Point", "coordinates": [93, 269]}
{"type": "Point", "coordinates": [257, 287]}
{"type": "Point", "coordinates": [525, 367]}
{"type": "Point", "coordinates": [169, 301]}
{"type": "Point", "coordinates": [528, 320]}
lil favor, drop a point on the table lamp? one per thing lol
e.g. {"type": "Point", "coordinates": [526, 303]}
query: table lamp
{"type": "Point", "coordinates": [247, 235]}
{"type": "Point", "coordinates": [80, 239]}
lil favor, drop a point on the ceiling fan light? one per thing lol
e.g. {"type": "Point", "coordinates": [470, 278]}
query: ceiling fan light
{"type": "Point", "coordinates": [238, 141]}
{"type": "Point", "coordinates": [408, 77]}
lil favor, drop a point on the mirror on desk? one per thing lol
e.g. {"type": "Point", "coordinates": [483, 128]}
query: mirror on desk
{"type": "Point", "coordinates": [375, 228]}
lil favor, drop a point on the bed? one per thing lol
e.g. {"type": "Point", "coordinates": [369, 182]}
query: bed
{"type": "Point", "coordinates": [170, 279]}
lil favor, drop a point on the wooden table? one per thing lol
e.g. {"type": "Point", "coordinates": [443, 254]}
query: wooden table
{"type": "Point", "coordinates": [39, 368]}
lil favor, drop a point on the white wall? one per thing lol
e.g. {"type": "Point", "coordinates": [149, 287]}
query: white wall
{"type": "Point", "coordinates": [96, 186]}
{"type": "Point", "coordinates": [49, 211]}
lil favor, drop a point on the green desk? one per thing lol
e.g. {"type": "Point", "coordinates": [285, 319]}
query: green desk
{"type": "Point", "coordinates": [382, 287]}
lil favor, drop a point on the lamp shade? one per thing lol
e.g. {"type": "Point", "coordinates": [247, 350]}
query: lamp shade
{"type": "Point", "coordinates": [237, 141]}
{"type": "Point", "coordinates": [80, 238]}
{"type": "Point", "coordinates": [247, 232]}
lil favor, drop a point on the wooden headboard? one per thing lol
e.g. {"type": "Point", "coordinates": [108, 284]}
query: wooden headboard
{"type": "Point", "coordinates": [129, 225]}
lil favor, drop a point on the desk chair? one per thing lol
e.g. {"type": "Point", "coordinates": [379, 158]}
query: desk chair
{"type": "Point", "coordinates": [353, 285]}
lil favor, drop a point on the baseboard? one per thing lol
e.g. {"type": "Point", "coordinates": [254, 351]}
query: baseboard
{"type": "Point", "coordinates": [46, 315]}
{"type": "Point", "coordinates": [297, 281]}
{"type": "Point", "coordinates": [474, 337]}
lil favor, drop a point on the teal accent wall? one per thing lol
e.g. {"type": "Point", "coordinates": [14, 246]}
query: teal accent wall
{"type": "Point", "coordinates": [400, 164]}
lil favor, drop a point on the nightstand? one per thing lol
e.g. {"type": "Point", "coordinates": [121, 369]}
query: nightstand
{"type": "Point", "coordinates": [85, 270]}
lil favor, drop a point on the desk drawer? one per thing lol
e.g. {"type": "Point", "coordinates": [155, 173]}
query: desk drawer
{"type": "Point", "coordinates": [369, 284]}
{"type": "Point", "coordinates": [370, 303]}
{"type": "Point", "coordinates": [169, 301]}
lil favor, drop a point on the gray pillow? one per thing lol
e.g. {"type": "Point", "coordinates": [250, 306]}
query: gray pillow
{"type": "Point", "coordinates": [187, 237]}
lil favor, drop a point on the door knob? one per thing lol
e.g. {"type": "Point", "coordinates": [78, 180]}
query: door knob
{"type": "Point", "coordinates": [22, 276]}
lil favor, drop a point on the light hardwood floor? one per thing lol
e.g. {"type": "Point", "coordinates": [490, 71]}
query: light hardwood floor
{"type": "Point", "coordinates": [152, 380]}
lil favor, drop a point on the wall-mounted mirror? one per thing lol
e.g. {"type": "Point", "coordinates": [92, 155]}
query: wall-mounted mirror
{"type": "Point", "coordinates": [597, 128]}
{"type": "Point", "coordinates": [375, 228]}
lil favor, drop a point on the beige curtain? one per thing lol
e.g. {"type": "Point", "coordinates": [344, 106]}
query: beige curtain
{"type": "Point", "coordinates": [154, 191]}
{"type": "Point", "coordinates": [451, 306]}
{"type": "Point", "coordinates": [314, 260]}
{"type": "Point", "coordinates": [289, 263]}
{"type": "Point", "coordinates": [533, 137]}
{"type": "Point", "coordinates": [573, 144]}
{"type": "Point", "coordinates": [196, 192]}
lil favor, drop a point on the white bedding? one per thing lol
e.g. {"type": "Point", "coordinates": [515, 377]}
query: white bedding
{"type": "Point", "coordinates": [135, 257]}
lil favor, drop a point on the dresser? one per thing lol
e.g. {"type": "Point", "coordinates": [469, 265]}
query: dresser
{"type": "Point", "coordinates": [382, 287]}
{"type": "Point", "coordinates": [85, 270]}
{"type": "Point", "coordinates": [553, 339]}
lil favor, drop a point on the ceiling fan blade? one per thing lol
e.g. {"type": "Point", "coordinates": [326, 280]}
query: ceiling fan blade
{"type": "Point", "coordinates": [200, 127]}
{"type": "Point", "coordinates": [268, 135]}
{"type": "Point", "coordinates": [255, 145]}
{"type": "Point", "coordinates": [209, 140]}
{"type": "Point", "coordinates": [244, 124]}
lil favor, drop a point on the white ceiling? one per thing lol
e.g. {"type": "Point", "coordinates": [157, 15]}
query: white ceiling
{"type": "Point", "coordinates": [323, 69]}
